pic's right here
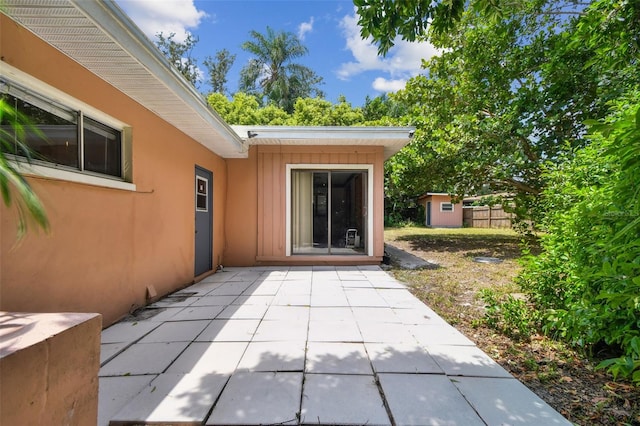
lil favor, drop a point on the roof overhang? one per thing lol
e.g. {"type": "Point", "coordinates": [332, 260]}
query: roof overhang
{"type": "Point", "coordinates": [391, 138]}
{"type": "Point", "coordinates": [102, 38]}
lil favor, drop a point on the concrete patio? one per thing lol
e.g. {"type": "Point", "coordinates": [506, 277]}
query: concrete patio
{"type": "Point", "coordinates": [296, 345]}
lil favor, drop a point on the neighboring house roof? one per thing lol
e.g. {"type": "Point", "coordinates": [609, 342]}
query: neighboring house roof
{"type": "Point", "coordinates": [101, 37]}
{"type": "Point", "coordinates": [429, 194]}
{"type": "Point", "coordinates": [391, 138]}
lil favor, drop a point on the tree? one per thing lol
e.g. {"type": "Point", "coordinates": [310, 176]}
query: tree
{"type": "Point", "coordinates": [179, 54]}
{"type": "Point", "coordinates": [409, 19]}
{"type": "Point", "coordinates": [218, 69]}
{"type": "Point", "coordinates": [505, 97]}
{"type": "Point", "coordinates": [320, 112]}
{"type": "Point", "coordinates": [273, 75]}
{"type": "Point", "coordinates": [382, 107]}
{"type": "Point", "coordinates": [13, 127]}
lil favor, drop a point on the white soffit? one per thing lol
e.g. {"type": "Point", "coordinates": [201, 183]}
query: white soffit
{"type": "Point", "coordinates": [391, 138]}
{"type": "Point", "coordinates": [100, 36]}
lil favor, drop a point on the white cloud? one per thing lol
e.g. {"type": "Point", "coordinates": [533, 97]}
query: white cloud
{"type": "Point", "coordinates": [403, 60]}
{"type": "Point", "coordinates": [166, 16]}
{"type": "Point", "coordinates": [383, 85]}
{"type": "Point", "coordinates": [304, 28]}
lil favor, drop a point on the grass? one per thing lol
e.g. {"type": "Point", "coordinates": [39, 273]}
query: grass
{"type": "Point", "coordinates": [452, 288]}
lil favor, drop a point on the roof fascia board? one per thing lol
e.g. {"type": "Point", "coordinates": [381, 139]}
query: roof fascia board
{"type": "Point", "coordinates": [328, 132]}
{"type": "Point", "coordinates": [108, 16]}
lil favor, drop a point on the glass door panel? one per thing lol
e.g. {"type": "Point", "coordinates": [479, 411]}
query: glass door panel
{"type": "Point", "coordinates": [348, 214]}
{"type": "Point", "coordinates": [329, 214]}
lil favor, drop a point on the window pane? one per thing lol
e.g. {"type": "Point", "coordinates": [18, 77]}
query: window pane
{"type": "Point", "coordinates": [201, 194]}
{"type": "Point", "coordinates": [51, 138]}
{"type": "Point", "coordinates": [102, 148]}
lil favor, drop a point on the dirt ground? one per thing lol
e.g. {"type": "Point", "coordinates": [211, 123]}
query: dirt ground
{"type": "Point", "coordinates": [566, 379]}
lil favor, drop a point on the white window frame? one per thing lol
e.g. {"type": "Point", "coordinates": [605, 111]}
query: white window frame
{"type": "Point", "coordinates": [355, 167]}
{"type": "Point", "coordinates": [443, 203]}
{"type": "Point", "coordinates": [53, 171]}
{"type": "Point", "coordinates": [206, 194]}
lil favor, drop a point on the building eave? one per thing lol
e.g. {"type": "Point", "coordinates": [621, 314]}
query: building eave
{"type": "Point", "coordinates": [102, 38]}
{"type": "Point", "coordinates": [392, 139]}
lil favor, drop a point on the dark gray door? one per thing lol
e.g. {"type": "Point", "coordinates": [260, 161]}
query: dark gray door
{"type": "Point", "coordinates": [204, 220]}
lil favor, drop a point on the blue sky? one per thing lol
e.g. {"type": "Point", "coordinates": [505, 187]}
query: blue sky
{"type": "Point", "coordinates": [349, 65]}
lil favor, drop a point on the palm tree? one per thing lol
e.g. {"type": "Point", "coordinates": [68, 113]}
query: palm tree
{"type": "Point", "coordinates": [273, 75]}
{"type": "Point", "coordinates": [13, 128]}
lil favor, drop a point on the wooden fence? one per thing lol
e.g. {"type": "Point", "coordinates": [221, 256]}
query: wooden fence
{"type": "Point", "coordinates": [486, 217]}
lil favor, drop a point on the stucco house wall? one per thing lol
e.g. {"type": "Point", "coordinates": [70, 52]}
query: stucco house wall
{"type": "Point", "coordinates": [435, 216]}
{"type": "Point", "coordinates": [106, 245]}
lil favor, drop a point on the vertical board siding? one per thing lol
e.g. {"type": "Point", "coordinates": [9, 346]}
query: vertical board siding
{"type": "Point", "coordinates": [272, 161]}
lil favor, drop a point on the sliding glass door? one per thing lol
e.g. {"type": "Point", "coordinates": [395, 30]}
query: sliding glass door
{"type": "Point", "coordinates": [329, 211]}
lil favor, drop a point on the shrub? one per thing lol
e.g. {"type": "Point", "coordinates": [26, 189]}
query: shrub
{"type": "Point", "coordinates": [586, 281]}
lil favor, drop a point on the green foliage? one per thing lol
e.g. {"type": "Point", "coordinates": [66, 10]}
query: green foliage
{"type": "Point", "coordinates": [179, 54]}
{"type": "Point", "coordinates": [410, 19]}
{"type": "Point", "coordinates": [15, 190]}
{"type": "Point", "coordinates": [320, 112]}
{"type": "Point", "coordinates": [218, 68]}
{"type": "Point", "coordinates": [587, 279]}
{"type": "Point", "coordinates": [245, 109]}
{"type": "Point", "coordinates": [273, 75]}
{"type": "Point", "coordinates": [242, 109]}
{"type": "Point", "coordinates": [510, 315]}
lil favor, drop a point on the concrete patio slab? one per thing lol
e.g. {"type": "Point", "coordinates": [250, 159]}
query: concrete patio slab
{"type": "Point", "coordinates": [281, 331]}
{"type": "Point", "coordinates": [109, 350]}
{"type": "Point", "coordinates": [323, 363]}
{"type": "Point", "coordinates": [243, 312]}
{"type": "Point", "coordinates": [116, 392]}
{"type": "Point", "coordinates": [440, 334]}
{"type": "Point", "coordinates": [334, 331]}
{"type": "Point", "coordinates": [337, 358]}
{"type": "Point", "coordinates": [320, 313]}
{"type": "Point", "coordinates": [273, 356]}
{"type": "Point", "coordinates": [175, 331]}
{"type": "Point", "coordinates": [127, 332]}
{"type": "Point", "coordinates": [342, 400]}
{"type": "Point", "coordinates": [466, 361]}
{"type": "Point", "coordinates": [209, 358]}
{"type": "Point", "coordinates": [161, 314]}
{"type": "Point", "coordinates": [507, 401]}
{"type": "Point", "coordinates": [426, 399]}
{"type": "Point", "coordinates": [401, 358]}
{"type": "Point", "coordinates": [418, 316]}
{"type": "Point", "coordinates": [256, 398]}
{"type": "Point", "coordinates": [382, 332]}
{"type": "Point", "coordinates": [173, 398]}
{"type": "Point", "coordinates": [209, 300]}
{"type": "Point", "coordinates": [143, 358]}
{"type": "Point", "coordinates": [253, 299]}
{"type": "Point", "coordinates": [229, 331]}
{"type": "Point", "coordinates": [287, 313]}
{"type": "Point", "coordinates": [378, 314]}
{"type": "Point", "coordinates": [192, 313]}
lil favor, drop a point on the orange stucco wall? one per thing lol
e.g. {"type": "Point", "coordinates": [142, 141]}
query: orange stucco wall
{"type": "Point", "coordinates": [443, 219]}
{"type": "Point", "coordinates": [256, 227]}
{"type": "Point", "coordinates": [106, 245]}
{"type": "Point", "coordinates": [49, 368]}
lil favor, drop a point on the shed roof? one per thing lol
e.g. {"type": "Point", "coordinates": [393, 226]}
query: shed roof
{"type": "Point", "coordinates": [102, 38]}
{"type": "Point", "coordinates": [391, 138]}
